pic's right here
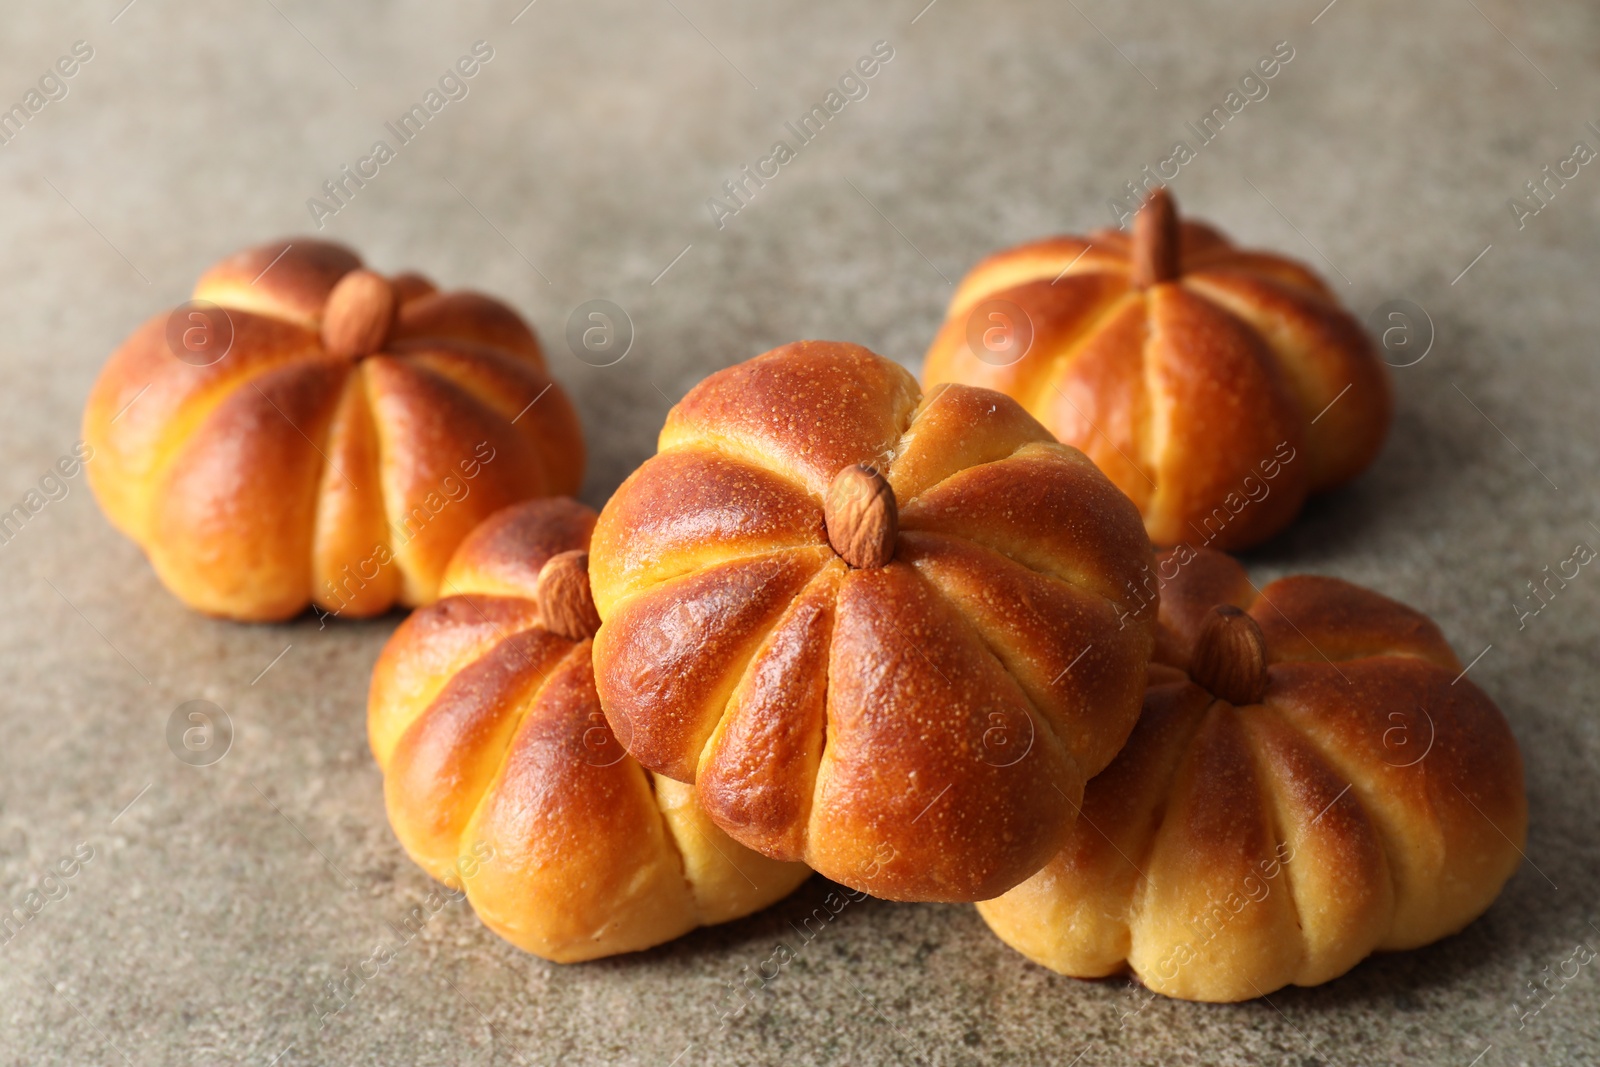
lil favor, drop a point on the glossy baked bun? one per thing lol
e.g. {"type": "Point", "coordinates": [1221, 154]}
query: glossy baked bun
{"type": "Point", "coordinates": [1215, 386]}
{"type": "Point", "coordinates": [1312, 779]}
{"type": "Point", "coordinates": [882, 633]}
{"type": "Point", "coordinates": [502, 777]}
{"type": "Point", "coordinates": [327, 437]}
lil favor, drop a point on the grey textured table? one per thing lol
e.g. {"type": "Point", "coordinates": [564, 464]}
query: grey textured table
{"type": "Point", "coordinates": [219, 900]}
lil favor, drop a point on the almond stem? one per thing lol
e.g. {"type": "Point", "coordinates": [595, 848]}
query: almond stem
{"type": "Point", "coordinates": [359, 315]}
{"type": "Point", "coordinates": [566, 603]}
{"type": "Point", "coordinates": [1230, 657]}
{"type": "Point", "coordinates": [861, 517]}
{"type": "Point", "coordinates": [1155, 241]}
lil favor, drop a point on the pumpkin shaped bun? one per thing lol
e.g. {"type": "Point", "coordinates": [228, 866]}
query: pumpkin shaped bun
{"type": "Point", "coordinates": [1215, 386]}
{"type": "Point", "coordinates": [882, 633]}
{"type": "Point", "coordinates": [502, 777]}
{"type": "Point", "coordinates": [1313, 779]}
{"type": "Point", "coordinates": [308, 432]}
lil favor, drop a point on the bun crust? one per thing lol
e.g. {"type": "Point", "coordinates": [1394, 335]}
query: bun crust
{"type": "Point", "coordinates": [1373, 800]}
{"type": "Point", "coordinates": [1216, 399]}
{"type": "Point", "coordinates": [502, 778]}
{"type": "Point", "coordinates": [277, 475]}
{"type": "Point", "coordinates": [919, 730]}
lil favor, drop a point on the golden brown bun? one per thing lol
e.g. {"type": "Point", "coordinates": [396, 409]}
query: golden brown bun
{"type": "Point", "coordinates": [502, 777]}
{"type": "Point", "coordinates": [921, 730]}
{"type": "Point", "coordinates": [1372, 800]}
{"type": "Point", "coordinates": [281, 475]}
{"type": "Point", "coordinates": [1208, 397]}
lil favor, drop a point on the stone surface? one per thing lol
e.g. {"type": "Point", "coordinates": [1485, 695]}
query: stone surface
{"type": "Point", "coordinates": [220, 899]}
